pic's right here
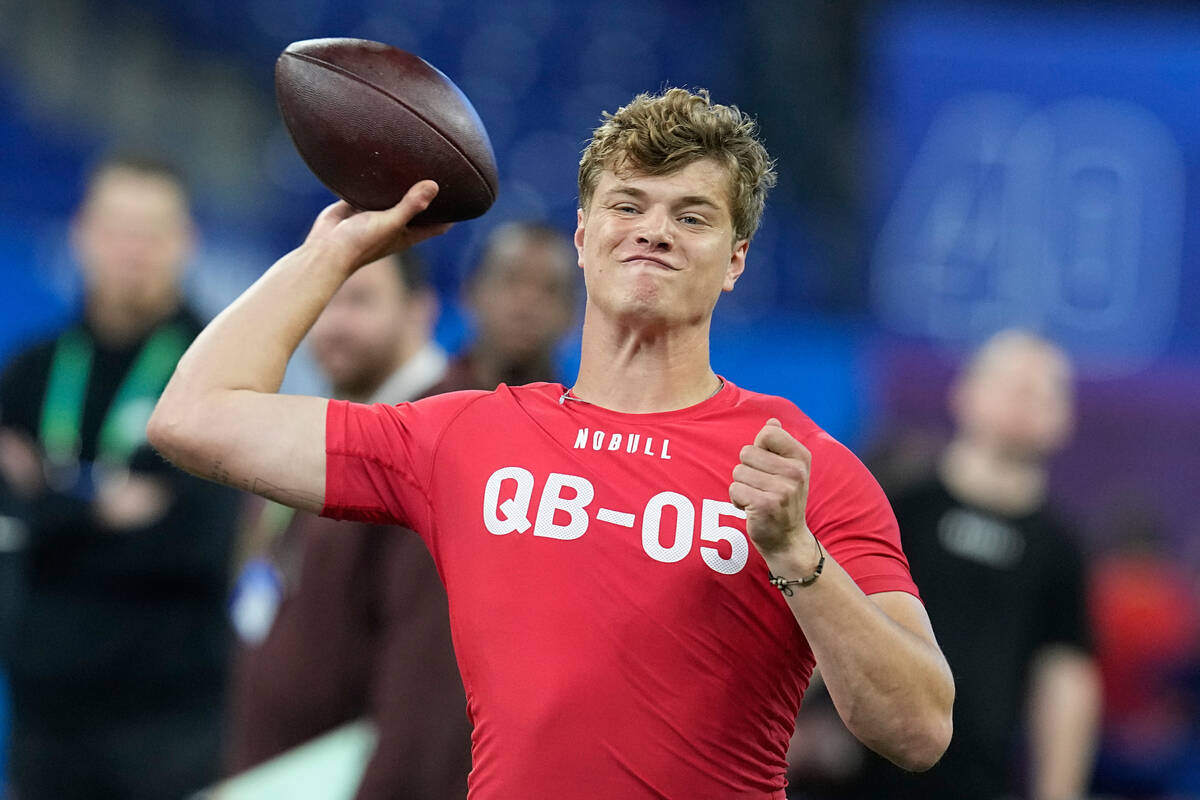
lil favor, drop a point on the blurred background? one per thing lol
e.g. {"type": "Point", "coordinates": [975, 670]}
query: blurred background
{"type": "Point", "coordinates": [946, 170]}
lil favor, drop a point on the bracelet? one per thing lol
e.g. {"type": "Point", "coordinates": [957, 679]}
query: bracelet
{"type": "Point", "coordinates": [785, 584]}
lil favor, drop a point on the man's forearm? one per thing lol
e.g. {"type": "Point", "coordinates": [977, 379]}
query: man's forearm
{"type": "Point", "coordinates": [211, 419]}
{"type": "Point", "coordinates": [1064, 720]}
{"type": "Point", "coordinates": [249, 344]}
{"type": "Point", "coordinates": [220, 416]}
{"type": "Point", "coordinates": [891, 686]}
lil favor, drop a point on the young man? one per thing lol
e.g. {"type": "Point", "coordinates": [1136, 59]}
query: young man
{"type": "Point", "coordinates": [617, 635]}
{"type": "Point", "coordinates": [119, 646]}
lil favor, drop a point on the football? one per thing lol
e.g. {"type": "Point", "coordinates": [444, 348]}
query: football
{"type": "Point", "coordinates": [371, 120]}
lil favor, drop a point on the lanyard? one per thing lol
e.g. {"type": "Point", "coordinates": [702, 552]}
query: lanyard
{"type": "Point", "coordinates": [124, 427]}
{"type": "Point", "coordinates": [263, 578]}
{"type": "Point", "coordinates": [271, 523]}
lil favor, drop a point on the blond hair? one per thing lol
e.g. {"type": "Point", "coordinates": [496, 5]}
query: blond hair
{"type": "Point", "coordinates": [659, 134]}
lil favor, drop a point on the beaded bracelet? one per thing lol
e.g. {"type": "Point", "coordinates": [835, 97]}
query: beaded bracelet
{"type": "Point", "coordinates": [785, 584]}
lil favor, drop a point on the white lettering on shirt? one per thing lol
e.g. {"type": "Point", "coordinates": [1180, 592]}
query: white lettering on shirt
{"type": "Point", "coordinates": [622, 518]}
{"type": "Point", "coordinates": [563, 513]}
{"type": "Point", "coordinates": [611, 442]}
{"type": "Point", "coordinates": [553, 502]}
{"type": "Point", "coordinates": [973, 536]}
{"type": "Point", "coordinates": [515, 509]}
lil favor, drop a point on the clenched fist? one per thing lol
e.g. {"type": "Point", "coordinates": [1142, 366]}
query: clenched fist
{"type": "Point", "coordinates": [771, 486]}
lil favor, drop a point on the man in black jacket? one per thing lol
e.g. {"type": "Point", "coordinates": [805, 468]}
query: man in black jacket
{"type": "Point", "coordinates": [118, 645]}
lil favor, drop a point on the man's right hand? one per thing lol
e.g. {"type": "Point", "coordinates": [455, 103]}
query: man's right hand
{"type": "Point", "coordinates": [21, 464]}
{"type": "Point", "coordinates": [221, 416]}
{"type": "Point", "coordinates": [366, 236]}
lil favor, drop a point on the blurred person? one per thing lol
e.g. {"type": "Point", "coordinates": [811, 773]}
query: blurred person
{"type": "Point", "coordinates": [1146, 612]}
{"type": "Point", "coordinates": [14, 540]}
{"type": "Point", "coordinates": [1003, 581]}
{"type": "Point", "coordinates": [521, 296]}
{"type": "Point", "coordinates": [119, 642]}
{"type": "Point", "coordinates": [602, 657]}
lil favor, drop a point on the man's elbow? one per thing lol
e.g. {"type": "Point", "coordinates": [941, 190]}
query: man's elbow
{"type": "Point", "coordinates": [917, 737]}
{"type": "Point", "coordinates": [931, 726]}
{"type": "Point", "coordinates": [924, 746]}
{"type": "Point", "coordinates": [173, 432]}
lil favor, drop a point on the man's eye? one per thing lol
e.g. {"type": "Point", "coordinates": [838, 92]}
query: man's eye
{"type": "Point", "coordinates": [690, 220]}
{"type": "Point", "coordinates": [626, 209]}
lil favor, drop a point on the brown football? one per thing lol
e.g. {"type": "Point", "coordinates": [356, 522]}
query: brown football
{"type": "Point", "coordinates": [371, 120]}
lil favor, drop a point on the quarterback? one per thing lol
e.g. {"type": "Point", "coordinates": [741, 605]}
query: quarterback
{"type": "Point", "coordinates": [644, 567]}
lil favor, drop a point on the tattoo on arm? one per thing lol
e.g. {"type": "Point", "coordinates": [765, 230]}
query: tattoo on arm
{"type": "Point", "coordinates": [288, 497]}
{"type": "Point", "coordinates": [221, 475]}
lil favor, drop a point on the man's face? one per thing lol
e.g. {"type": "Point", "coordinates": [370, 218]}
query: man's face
{"type": "Point", "coordinates": [361, 336]}
{"type": "Point", "coordinates": [660, 249]}
{"type": "Point", "coordinates": [1018, 400]}
{"type": "Point", "coordinates": [524, 297]}
{"type": "Point", "coordinates": [132, 236]}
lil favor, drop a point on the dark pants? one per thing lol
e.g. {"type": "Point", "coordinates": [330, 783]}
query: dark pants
{"type": "Point", "coordinates": [160, 755]}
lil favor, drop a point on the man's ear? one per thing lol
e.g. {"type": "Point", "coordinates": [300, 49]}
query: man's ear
{"type": "Point", "coordinates": [579, 218]}
{"type": "Point", "coordinates": [737, 264]}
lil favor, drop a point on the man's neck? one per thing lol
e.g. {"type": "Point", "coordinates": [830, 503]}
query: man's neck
{"type": "Point", "coordinates": [643, 371]}
{"type": "Point", "coordinates": [118, 325]}
{"type": "Point", "coordinates": [991, 480]}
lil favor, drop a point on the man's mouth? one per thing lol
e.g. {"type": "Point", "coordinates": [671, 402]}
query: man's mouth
{"type": "Point", "coordinates": [650, 260]}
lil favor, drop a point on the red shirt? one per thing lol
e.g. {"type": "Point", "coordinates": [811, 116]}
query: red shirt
{"type": "Point", "coordinates": [614, 626]}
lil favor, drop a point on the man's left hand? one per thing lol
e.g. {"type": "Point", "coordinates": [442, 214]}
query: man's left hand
{"type": "Point", "coordinates": [771, 486]}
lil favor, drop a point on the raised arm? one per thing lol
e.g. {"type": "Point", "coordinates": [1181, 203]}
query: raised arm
{"type": "Point", "coordinates": [221, 416]}
{"type": "Point", "coordinates": [878, 656]}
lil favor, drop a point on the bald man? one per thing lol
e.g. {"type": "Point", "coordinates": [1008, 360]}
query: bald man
{"type": "Point", "coordinates": [1003, 583]}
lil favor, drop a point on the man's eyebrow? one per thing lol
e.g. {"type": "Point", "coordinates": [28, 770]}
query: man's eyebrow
{"type": "Point", "coordinates": [688, 200]}
{"type": "Point", "coordinates": [698, 200]}
{"type": "Point", "coordinates": [628, 191]}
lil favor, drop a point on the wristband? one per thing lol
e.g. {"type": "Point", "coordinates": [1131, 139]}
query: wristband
{"type": "Point", "coordinates": [785, 584]}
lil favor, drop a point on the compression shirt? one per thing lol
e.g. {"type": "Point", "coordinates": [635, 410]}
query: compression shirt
{"type": "Point", "coordinates": [613, 624]}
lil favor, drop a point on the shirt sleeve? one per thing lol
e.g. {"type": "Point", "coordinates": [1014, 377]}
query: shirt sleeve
{"type": "Point", "coordinates": [378, 458]}
{"type": "Point", "coordinates": [1066, 618]}
{"type": "Point", "coordinates": [850, 515]}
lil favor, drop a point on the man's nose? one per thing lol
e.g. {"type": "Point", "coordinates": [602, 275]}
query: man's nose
{"type": "Point", "coordinates": [655, 230]}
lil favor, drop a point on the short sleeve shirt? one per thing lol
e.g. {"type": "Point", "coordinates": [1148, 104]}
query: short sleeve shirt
{"type": "Point", "coordinates": [614, 626]}
{"type": "Point", "coordinates": [997, 589]}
